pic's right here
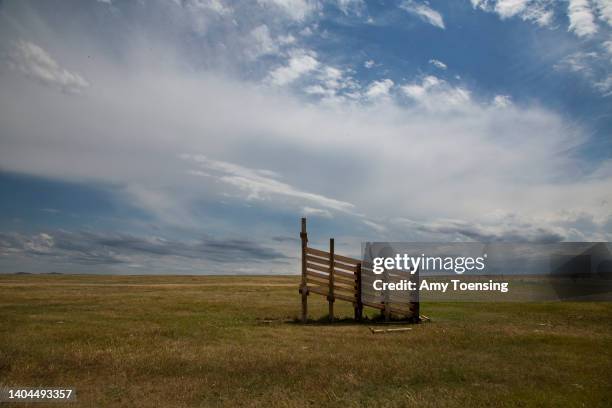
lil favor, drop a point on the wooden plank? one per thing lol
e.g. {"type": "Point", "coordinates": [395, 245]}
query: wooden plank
{"type": "Point", "coordinates": [344, 291]}
{"type": "Point", "coordinates": [338, 285]}
{"type": "Point", "coordinates": [391, 330]}
{"type": "Point", "coordinates": [374, 305]}
{"type": "Point", "coordinates": [392, 309]}
{"type": "Point", "coordinates": [324, 276]}
{"type": "Point", "coordinates": [350, 268]}
{"type": "Point", "coordinates": [316, 280]}
{"type": "Point", "coordinates": [317, 267]}
{"type": "Point", "coordinates": [316, 252]}
{"type": "Point", "coordinates": [346, 298]}
{"type": "Point", "coordinates": [318, 289]}
{"type": "Point", "coordinates": [315, 259]}
{"type": "Point", "coordinates": [347, 260]}
{"type": "Point", "coordinates": [321, 290]}
{"type": "Point", "coordinates": [344, 286]}
{"type": "Point", "coordinates": [345, 274]}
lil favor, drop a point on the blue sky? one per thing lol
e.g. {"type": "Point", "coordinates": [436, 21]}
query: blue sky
{"type": "Point", "coordinates": [190, 136]}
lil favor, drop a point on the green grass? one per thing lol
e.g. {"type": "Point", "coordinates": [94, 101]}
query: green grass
{"type": "Point", "coordinates": [154, 341]}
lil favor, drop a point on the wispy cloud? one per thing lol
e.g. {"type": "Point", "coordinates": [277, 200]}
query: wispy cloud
{"type": "Point", "coordinates": [438, 64]}
{"type": "Point", "coordinates": [424, 12]}
{"type": "Point", "coordinates": [35, 63]}
{"type": "Point", "coordinates": [586, 65]}
{"type": "Point", "coordinates": [262, 184]}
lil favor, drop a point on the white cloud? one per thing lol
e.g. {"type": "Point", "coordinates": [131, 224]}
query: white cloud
{"type": "Point", "coordinates": [488, 158]}
{"type": "Point", "coordinates": [510, 8]}
{"type": "Point", "coordinates": [436, 94]}
{"type": "Point", "coordinates": [35, 63]}
{"type": "Point", "coordinates": [379, 89]}
{"type": "Point", "coordinates": [369, 64]}
{"type": "Point", "coordinates": [604, 7]}
{"type": "Point", "coordinates": [582, 22]}
{"type": "Point", "coordinates": [260, 42]}
{"type": "Point", "coordinates": [350, 6]}
{"type": "Point", "coordinates": [424, 12]}
{"type": "Point", "coordinates": [300, 63]}
{"type": "Point", "coordinates": [295, 9]}
{"type": "Point", "coordinates": [537, 11]}
{"type": "Point", "coordinates": [438, 64]}
{"type": "Point", "coordinates": [215, 6]}
{"type": "Point", "coordinates": [502, 101]}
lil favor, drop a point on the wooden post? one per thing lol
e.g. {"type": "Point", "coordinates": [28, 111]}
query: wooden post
{"type": "Point", "coordinates": [358, 305]}
{"type": "Point", "coordinates": [330, 294]}
{"type": "Point", "coordinates": [416, 306]}
{"type": "Point", "coordinates": [387, 309]}
{"type": "Point", "coordinates": [303, 286]}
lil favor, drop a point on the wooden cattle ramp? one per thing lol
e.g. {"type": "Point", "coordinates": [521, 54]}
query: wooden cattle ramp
{"type": "Point", "coordinates": [339, 277]}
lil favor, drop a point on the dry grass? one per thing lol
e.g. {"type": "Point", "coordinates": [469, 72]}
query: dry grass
{"type": "Point", "coordinates": [199, 341]}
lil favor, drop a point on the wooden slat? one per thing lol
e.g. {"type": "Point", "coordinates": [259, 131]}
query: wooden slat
{"type": "Point", "coordinates": [316, 267]}
{"type": "Point", "coordinates": [316, 252]}
{"type": "Point", "coordinates": [378, 306]}
{"type": "Point", "coordinates": [343, 297]}
{"type": "Point", "coordinates": [318, 289]}
{"type": "Point", "coordinates": [350, 295]}
{"type": "Point", "coordinates": [347, 292]}
{"type": "Point", "coordinates": [346, 274]}
{"type": "Point", "coordinates": [325, 276]}
{"type": "Point", "coordinates": [321, 290]}
{"type": "Point", "coordinates": [351, 268]}
{"type": "Point", "coordinates": [323, 281]}
{"type": "Point", "coordinates": [343, 279]}
{"type": "Point", "coordinates": [315, 259]}
{"type": "Point", "coordinates": [345, 286]}
{"type": "Point", "coordinates": [342, 289]}
{"type": "Point", "coordinates": [350, 284]}
{"type": "Point", "coordinates": [316, 279]}
{"type": "Point", "coordinates": [317, 274]}
{"type": "Point", "coordinates": [346, 259]}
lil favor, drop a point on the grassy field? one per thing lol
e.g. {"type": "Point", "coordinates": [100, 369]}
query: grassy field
{"type": "Point", "coordinates": [208, 341]}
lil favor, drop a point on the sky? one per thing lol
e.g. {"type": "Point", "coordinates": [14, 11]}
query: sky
{"type": "Point", "coordinates": [189, 137]}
